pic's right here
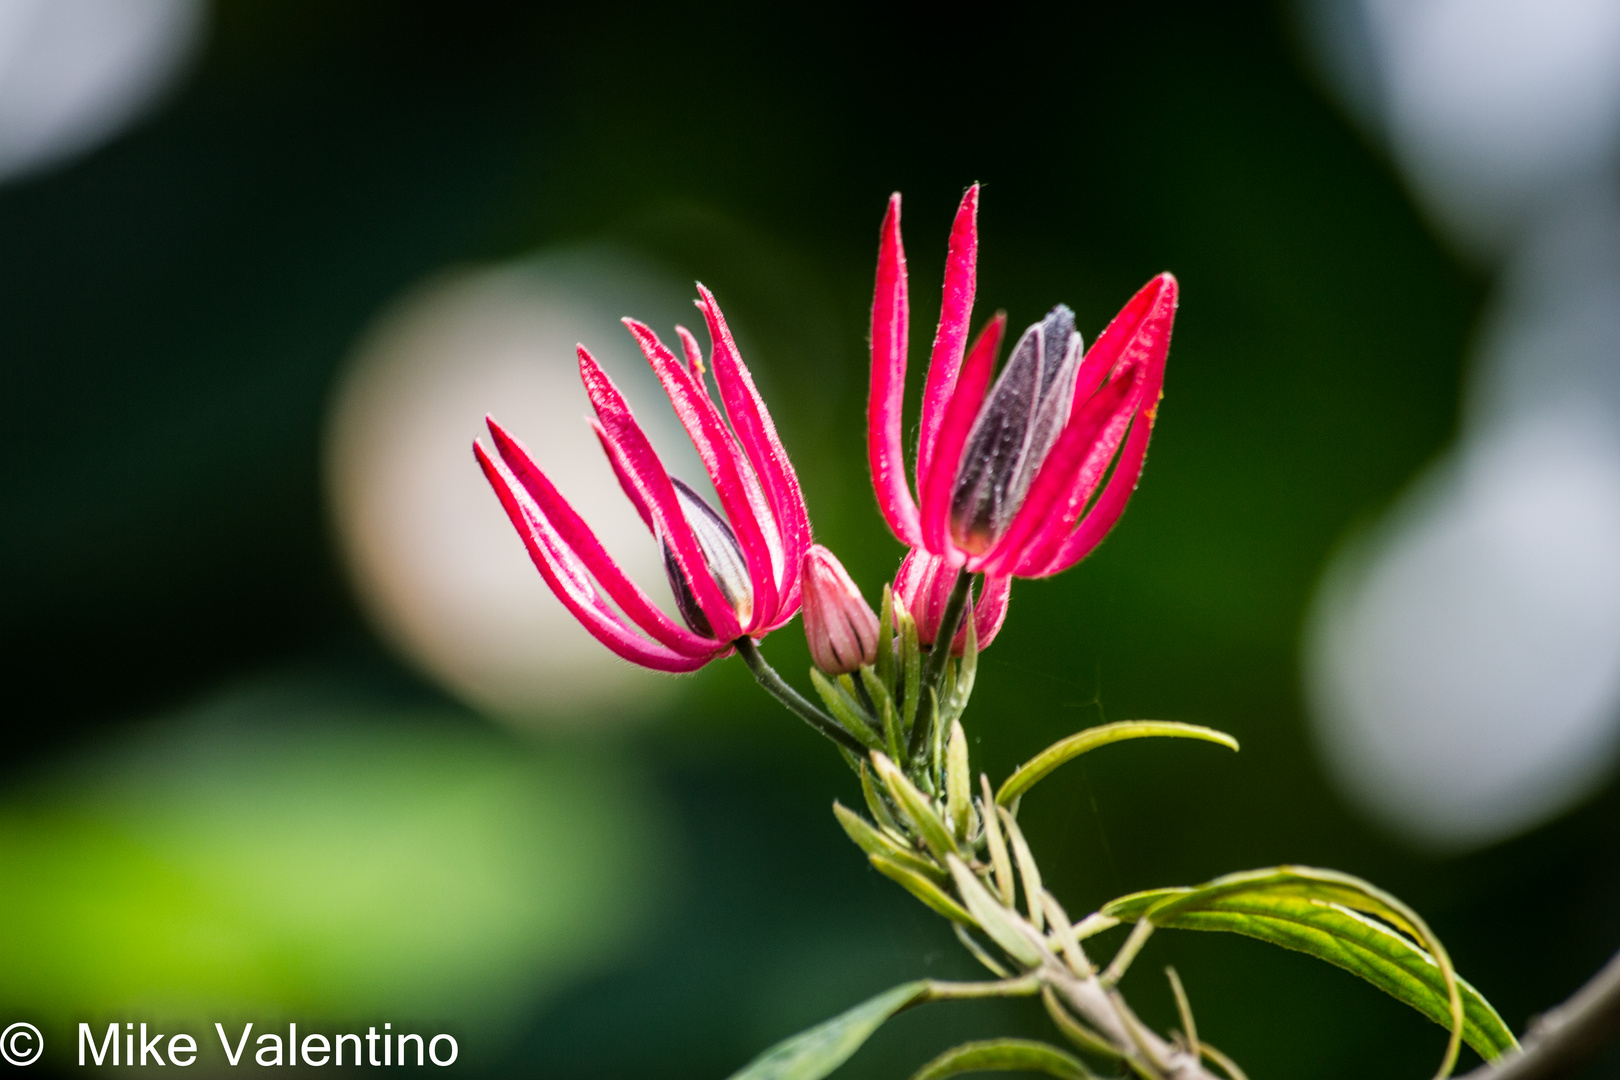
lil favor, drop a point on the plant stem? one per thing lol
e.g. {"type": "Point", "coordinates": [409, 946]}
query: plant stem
{"type": "Point", "coordinates": [1023, 986]}
{"type": "Point", "coordinates": [1566, 1037]}
{"type": "Point", "coordinates": [778, 688]}
{"type": "Point", "coordinates": [949, 622]}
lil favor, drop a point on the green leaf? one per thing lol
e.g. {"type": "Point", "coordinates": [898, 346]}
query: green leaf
{"type": "Point", "coordinates": [885, 648]}
{"type": "Point", "coordinates": [1005, 1055]}
{"type": "Point", "coordinates": [920, 887]}
{"type": "Point", "coordinates": [1325, 914]}
{"type": "Point", "coordinates": [875, 803]}
{"type": "Point", "coordinates": [874, 841]}
{"type": "Point", "coordinates": [963, 690]}
{"type": "Point", "coordinates": [1002, 925]}
{"type": "Point", "coordinates": [925, 822]}
{"type": "Point", "coordinates": [958, 783]}
{"type": "Point", "coordinates": [845, 709]}
{"type": "Point", "coordinates": [911, 665]}
{"type": "Point", "coordinates": [812, 1054]}
{"type": "Point", "coordinates": [888, 719]}
{"type": "Point", "coordinates": [1036, 768]}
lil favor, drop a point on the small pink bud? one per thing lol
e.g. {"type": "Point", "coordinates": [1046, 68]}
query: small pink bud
{"type": "Point", "coordinates": [840, 625]}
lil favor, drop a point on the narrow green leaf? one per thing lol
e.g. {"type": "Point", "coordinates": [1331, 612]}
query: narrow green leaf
{"type": "Point", "coordinates": [888, 717]}
{"type": "Point", "coordinates": [963, 690]}
{"type": "Point", "coordinates": [919, 812]}
{"type": "Point", "coordinates": [1326, 914]}
{"type": "Point", "coordinates": [876, 805]}
{"type": "Point", "coordinates": [845, 709]}
{"type": "Point", "coordinates": [1035, 769]}
{"type": "Point", "coordinates": [874, 842]}
{"type": "Point", "coordinates": [1005, 1055]}
{"type": "Point", "coordinates": [958, 783]}
{"type": "Point", "coordinates": [998, 847]}
{"type": "Point", "coordinates": [812, 1054]}
{"type": "Point", "coordinates": [1027, 868]}
{"type": "Point", "coordinates": [921, 888]}
{"type": "Point", "coordinates": [1134, 905]}
{"type": "Point", "coordinates": [911, 666]}
{"type": "Point", "coordinates": [993, 919]}
{"type": "Point", "coordinates": [885, 649]}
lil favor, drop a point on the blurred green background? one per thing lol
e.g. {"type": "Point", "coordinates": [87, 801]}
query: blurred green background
{"type": "Point", "coordinates": [224, 797]}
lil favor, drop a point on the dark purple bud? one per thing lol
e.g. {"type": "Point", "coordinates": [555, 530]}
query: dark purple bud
{"type": "Point", "coordinates": [1020, 420]}
{"type": "Point", "coordinates": [723, 556]}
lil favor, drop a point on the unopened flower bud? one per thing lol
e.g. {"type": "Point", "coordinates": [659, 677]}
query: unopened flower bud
{"type": "Point", "coordinates": [840, 625]}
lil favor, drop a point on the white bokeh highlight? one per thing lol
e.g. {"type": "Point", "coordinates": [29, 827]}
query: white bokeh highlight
{"type": "Point", "coordinates": [438, 567]}
{"type": "Point", "coordinates": [75, 72]}
{"type": "Point", "coordinates": [1462, 659]}
{"type": "Point", "coordinates": [1466, 660]}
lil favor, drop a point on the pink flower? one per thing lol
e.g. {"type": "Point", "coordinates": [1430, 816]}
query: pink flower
{"type": "Point", "coordinates": [734, 574]}
{"type": "Point", "coordinates": [924, 585]}
{"type": "Point", "coordinates": [839, 624]}
{"type": "Point", "coordinates": [1008, 480]}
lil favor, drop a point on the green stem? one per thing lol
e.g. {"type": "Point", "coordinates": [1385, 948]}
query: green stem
{"type": "Point", "coordinates": [1023, 986]}
{"type": "Point", "coordinates": [933, 671]}
{"type": "Point", "coordinates": [778, 688]}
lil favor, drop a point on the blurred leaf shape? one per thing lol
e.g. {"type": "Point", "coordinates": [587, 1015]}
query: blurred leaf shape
{"type": "Point", "coordinates": [280, 854]}
{"type": "Point", "coordinates": [1005, 1055]}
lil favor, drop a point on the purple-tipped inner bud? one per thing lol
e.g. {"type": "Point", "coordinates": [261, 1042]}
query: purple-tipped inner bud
{"type": "Point", "coordinates": [723, 556]}
{"type": "Point", "coordinates": [1016, 427]}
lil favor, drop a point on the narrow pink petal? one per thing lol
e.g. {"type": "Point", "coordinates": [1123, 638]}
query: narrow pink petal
{"type": "Point", "coordinates": [955, 311]}
{"type": "Point", "coordinates": [569, 583]}
{"type": "Point", "coordinates": [575, 537]}
{"type": "Point", "coordinates": [694, 353]}
{"type": "Point", "coordinates": [934, 493]}
{"type": "Point", "coordinates": [1141, 331]}
{"type": "Point", "coordinates": [891, 320]}
{"type": "Point", "coordinates": [718, 450]}
{"type": "Point", "coordinates": [635, 461]}
{"type": "Point", "coordinates": [1080, 445]}
{"type": "Point", "coordinates": [1108, 508]}
{"type": "Point", "coordinates": [757, 433]}
{"type": "Point", "coordinates": [1143, 344]}
{"type": "Point", "coordinates": [763, 513]}
{"type": "Point", "coordinates": [989, 612]}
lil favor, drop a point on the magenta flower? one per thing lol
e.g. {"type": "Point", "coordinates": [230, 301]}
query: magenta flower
{"type": "Point", "coordinates": [1008, 480]}
{"type": "Point", "coordinates": [734, 574]}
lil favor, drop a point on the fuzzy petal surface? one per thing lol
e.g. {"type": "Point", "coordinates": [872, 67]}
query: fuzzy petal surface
{"type": "Point", "coordinates": [891, 321]}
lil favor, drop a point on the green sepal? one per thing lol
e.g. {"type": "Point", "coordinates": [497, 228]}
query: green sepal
{"type": "Point", "coordinates": [874, 841]}
{"type": "Point", "coordinates": [958, 784]}
{"type": "Point", "coordinates": [845, 709]}
{"type": "Point", "coordinates": [812, 1054]}
{"type": "Point", "coordinates": [1005, 1055]}
{"type": "Point", "coordinates": [922, 888]}
{"type": "Point", "coordinates": [1035, 769]}
{"type": "Point", "coordinates": [885, 647]}
{"type": "Point", "coordinates": [888, 715]}
{"type": "Point", "coordinates": [996, 921]}
{"type": "Point", "coordinates": [1325, 914]}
